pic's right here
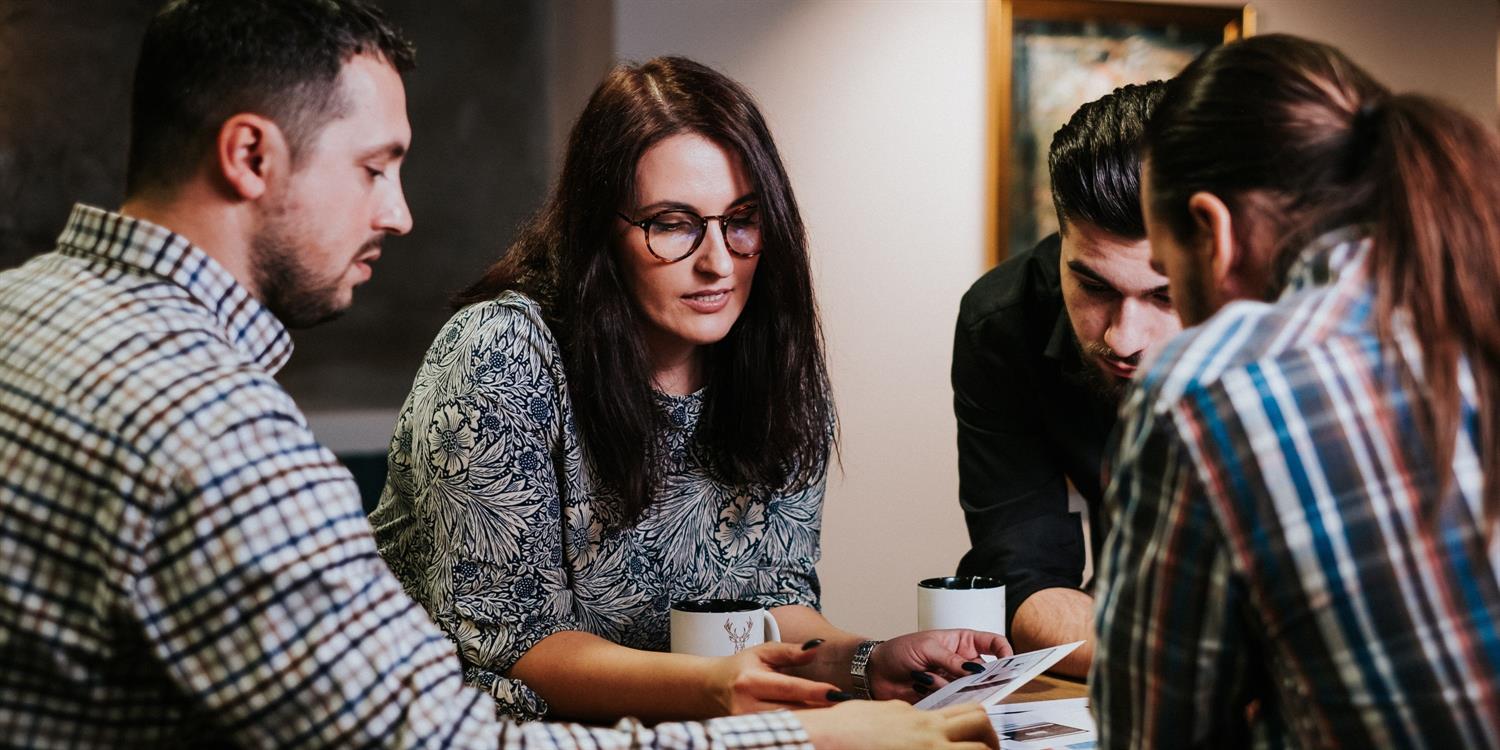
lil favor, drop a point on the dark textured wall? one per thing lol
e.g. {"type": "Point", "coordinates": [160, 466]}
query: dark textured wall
{"type": "Point", "coordinates": [478, 108]}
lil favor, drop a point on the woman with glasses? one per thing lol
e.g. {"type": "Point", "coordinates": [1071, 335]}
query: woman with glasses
{"type": "Point", "coordinates": [631, 408]}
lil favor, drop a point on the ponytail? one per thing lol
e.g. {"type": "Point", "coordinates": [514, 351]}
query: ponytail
{"type": "Point", "coordinates": [1436, 256]}
{"type": "Point", "coordinates": [1299, 122]}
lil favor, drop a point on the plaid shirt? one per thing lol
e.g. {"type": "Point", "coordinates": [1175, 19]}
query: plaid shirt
{"type": "Point", "coordinates": [1268, 580]}
{"type": "Point", "coordinates": [182, 562]}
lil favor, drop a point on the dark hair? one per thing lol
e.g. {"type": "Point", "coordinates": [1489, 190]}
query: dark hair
{"type": "Point", "coordinates": [1295, 137]}
{"type": "Point", "coordinates": [203, 61]}
{"type": "Point", "coordinates": [766, 416]}
{"type": "Point", "coordinates": [1095, 161]}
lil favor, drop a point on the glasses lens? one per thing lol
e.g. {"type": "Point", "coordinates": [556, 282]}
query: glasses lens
{"type": "Point", "coordinates": [673, 234]}
{"type": "Point", "coordinates": [742, 231]}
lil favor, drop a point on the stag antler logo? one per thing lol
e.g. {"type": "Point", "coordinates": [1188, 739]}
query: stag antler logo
{"type": "Point", "coordinates": [737, 637]}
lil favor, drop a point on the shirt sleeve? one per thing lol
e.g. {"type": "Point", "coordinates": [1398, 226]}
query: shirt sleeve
{"type": "Point", "coordinates": [1170, 666]}
{"type": "Point", "coordinates": [265, 599]}
{"type": "Point", "coordinates": [479, 446]}
{"type": "Point", "coordinates": [1013, 493]}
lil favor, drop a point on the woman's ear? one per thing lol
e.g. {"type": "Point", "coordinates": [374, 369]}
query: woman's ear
{"type": "Point", "coordinates": [1214, 237]}
{"type": "Point", "coordinates": [249, 153]}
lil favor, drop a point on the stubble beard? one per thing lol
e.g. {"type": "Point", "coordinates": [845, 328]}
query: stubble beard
{"type": "Point", "coordinates": [289, 289]}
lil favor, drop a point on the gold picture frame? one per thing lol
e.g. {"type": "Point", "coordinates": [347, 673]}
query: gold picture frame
{"type": "Point", "coordinates": [1114, 43]}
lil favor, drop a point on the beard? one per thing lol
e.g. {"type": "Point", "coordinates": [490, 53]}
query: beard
{"type": "Point", "coordinates": [1107, 388]}
{"type": "Point", "coordinates": [296, 294]}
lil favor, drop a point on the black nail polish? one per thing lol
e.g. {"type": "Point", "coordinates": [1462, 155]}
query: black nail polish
{"type": "Point", "coordinates": [839, 696]}
{"type": "Point", "coordinates": [921, 677]}
{"type": "Point", "coordinates": [921, 689]}
{"type": "Point", "coordinates": [812, 644]}
{"type": "Point", "coordinates": [971, 667]}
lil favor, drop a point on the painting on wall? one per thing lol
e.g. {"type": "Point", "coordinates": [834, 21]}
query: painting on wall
{"type": "Point", "coordinates": [1048, 57]}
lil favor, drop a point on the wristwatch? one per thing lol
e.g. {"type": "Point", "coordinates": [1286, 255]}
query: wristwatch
{"type": "Point", "coordinates": [857, 668]}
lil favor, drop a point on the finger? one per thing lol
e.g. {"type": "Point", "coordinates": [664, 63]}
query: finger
{"type": "Point", "coordinates": [918, 677]}
{"type": "Point", "coordinates": [774, 686]}
{"type": "Point", "coordinates": [779, 655]}
{"type": "Point", "coordinates": [992, 643]}
{"type": "Point", "coordinates": [952, 666]}
{"type": "Point", "coordinates": [968, 723]}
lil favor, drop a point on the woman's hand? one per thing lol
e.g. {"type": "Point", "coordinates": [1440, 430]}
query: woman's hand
{"type": "Point", "coordinates": [893, 725]}
{"type": "Point", "coordinates": [915, 664]}
{"type": "Point", "coordinates": [750, 681]}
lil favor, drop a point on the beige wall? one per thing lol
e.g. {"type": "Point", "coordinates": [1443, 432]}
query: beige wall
{"type": "Point", "coordinates": [877, 107]}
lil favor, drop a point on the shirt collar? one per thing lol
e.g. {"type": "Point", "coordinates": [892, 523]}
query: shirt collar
{"type": "Point", "coordinates": [1333, 256]}
{"type": "Point", "coordinates": [97, 234]}
{"type": "Point", "coordinates": [1060, 344]}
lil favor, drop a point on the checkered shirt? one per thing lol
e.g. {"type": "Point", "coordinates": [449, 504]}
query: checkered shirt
{"type": "Point", "coordinates": [181, 563]}
{"type": "Point", "coordinates": [1270, 580]}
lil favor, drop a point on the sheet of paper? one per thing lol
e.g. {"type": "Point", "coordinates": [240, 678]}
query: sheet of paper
{"type": "Point", "coordinates": [1000, 678]}
{"type": "Point", "coordinates": [1045, 725]}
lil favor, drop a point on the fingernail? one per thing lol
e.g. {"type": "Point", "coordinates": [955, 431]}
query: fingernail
{"type": "Point", "coordinates": [921, 689]}
{"type": "Point", "coordinates": [970, 666]}
{"type": "Point", "coordinates": [839, 696]}
{"type": "Point", "coordinates": [922, 677]}
{"type": "Point", "coordinates": [812, 644]}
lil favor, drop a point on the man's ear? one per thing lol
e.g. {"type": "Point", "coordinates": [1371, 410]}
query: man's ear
{"type": "Point", "coordinates": [250, 152]}
{"type": "Point", "coordinates": [1214, 232]}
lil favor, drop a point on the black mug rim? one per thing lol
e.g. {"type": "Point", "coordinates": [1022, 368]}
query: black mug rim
{"type": "Point", "coordinates": [716, 606]}
{"type": "Point", "coordinates": [961, 583]}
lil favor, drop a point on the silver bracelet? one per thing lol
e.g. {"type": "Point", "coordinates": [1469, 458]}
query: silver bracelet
{"type": "Point", "coordinates": [857, 668]}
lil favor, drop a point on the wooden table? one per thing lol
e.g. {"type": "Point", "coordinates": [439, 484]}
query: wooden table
{"type": "Point", "coordinates": [1048, 688]}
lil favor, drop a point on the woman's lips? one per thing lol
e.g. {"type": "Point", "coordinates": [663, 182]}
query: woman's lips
{"type": "Point", "coordinates": [707, 301]}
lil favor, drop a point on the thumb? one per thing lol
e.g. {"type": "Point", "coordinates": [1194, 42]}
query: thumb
{"type": "Point", "coordinates": [777, 655]}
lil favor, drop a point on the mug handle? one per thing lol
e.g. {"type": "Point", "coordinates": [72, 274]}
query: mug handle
{"type": "Point", "coordinates": [773, 631]}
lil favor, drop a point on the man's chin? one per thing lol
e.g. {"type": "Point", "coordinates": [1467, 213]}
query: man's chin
{"type": "Point", "coordinates": [1103, 383]}
{"type": "Point", "coordinates": [309, 311]}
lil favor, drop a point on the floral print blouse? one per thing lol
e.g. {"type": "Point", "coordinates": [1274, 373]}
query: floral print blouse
{"type": "Point", "coordinates": [492, 520]}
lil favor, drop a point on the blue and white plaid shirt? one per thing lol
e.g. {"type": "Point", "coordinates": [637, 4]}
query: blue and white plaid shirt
{"type": "Point", "coordinates": [181, 563]}
{"type": "Point", "coordinates": [1269, 579]}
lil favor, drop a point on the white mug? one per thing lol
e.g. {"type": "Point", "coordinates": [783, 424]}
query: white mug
{"type": "Point", "coordinates": [720, 627]}
{"type": "Point", "coordinates": [974, 602]}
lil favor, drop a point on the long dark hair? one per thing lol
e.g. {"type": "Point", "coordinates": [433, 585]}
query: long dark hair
{"type": "Point", "coordinates": [1299, 122]}
{"type": "Point", "coordinates": [766, 414]}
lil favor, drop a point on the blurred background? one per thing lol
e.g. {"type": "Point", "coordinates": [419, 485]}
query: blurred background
{"type": "Point", "coordinates": [879, 107]}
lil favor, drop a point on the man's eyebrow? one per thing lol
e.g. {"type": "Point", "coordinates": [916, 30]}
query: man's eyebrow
{"type": "Point", "coordinates": [1082, 269]}
{"type": "Point", "coordinates": [392, 150]}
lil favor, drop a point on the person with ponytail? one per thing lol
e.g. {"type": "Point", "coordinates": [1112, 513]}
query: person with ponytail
{"type": "Point", "coordinates": [1303, 486]}
{"type": "Point", "coordinates": [631, 408]}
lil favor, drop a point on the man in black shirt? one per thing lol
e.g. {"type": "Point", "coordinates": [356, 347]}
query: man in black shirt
{"type": "Point", "coordinates": [1045, 344]}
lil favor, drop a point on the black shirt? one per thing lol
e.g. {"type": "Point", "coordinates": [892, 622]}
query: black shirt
{"type": "Point", "coordinates": [1028, 420]}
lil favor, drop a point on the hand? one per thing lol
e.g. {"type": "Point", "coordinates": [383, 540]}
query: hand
{"type": "Point", "coordinates": [893, 725]}
{"type": "Point", "coordinates": [749, 681]}
{"type": "Point", "coordinates": [913, 665]}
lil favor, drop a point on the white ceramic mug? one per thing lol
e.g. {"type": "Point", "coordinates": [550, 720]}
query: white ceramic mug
{"type": "Point", "coordinates": [720, 627]}
{"type": "Point", "coordinates": [974, 602]}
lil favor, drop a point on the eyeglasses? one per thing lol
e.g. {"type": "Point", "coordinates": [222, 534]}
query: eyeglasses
{"type": "Point", "coordinates": [675, 234]}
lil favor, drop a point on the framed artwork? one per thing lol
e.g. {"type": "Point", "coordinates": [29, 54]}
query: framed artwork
{"type": "Point", "coordinates": [1048, 57]}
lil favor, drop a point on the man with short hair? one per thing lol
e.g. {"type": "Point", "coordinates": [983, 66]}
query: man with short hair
{"type": "Point", "coordinates": [181, 563]}
{"type": "Point", "coordinates": [1045, 343]}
